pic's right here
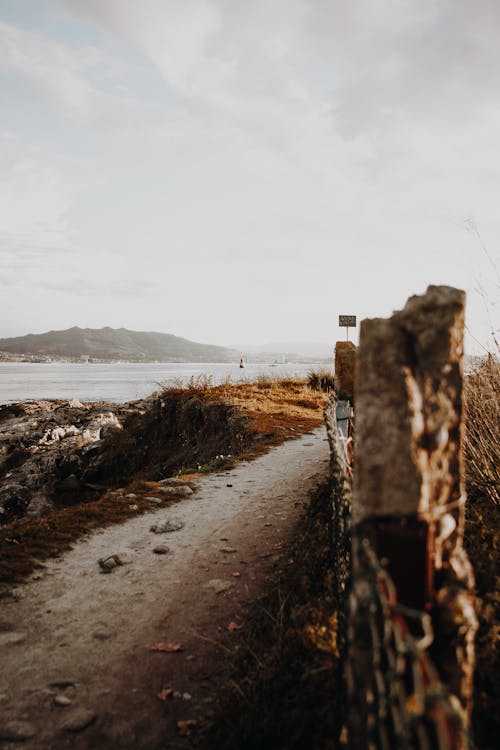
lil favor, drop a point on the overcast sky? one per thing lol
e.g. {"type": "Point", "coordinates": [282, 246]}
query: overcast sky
{"type": "Point", "coordinates": [244, 171]}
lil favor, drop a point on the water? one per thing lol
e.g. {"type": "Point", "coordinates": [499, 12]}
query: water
{"type": "Point", "coordinates": [120, 381]}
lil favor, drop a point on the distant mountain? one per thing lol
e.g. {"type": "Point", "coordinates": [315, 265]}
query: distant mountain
{"type": "Point", "coordinates": [115, 344]}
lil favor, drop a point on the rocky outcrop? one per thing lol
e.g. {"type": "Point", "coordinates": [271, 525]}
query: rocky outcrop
{"type": "Point", "coordinates": [58, 453]}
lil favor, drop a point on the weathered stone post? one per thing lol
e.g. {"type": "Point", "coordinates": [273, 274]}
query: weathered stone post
{"type": "Point", "coordinates": [345, 360]}
{"type": "Point", "coordinates": [409, 564]}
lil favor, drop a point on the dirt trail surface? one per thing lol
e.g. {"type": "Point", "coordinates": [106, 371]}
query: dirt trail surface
{"type": "Point", "coordinates": [77, 669]}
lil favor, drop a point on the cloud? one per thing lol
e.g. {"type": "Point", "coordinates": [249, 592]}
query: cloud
{"type": "Point", "coordinates": [35, 201]}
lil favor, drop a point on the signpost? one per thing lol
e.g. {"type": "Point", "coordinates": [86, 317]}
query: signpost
{"type": "Point", "coordinates": [347, 321]}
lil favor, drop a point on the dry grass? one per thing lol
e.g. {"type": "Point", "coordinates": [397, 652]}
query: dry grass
{"type": "Point", "coordinates": [482, 465]}
{"type": "Point", "coordinates": [268, 412]}
{"type": "Point", "coordinates": [482, 437]}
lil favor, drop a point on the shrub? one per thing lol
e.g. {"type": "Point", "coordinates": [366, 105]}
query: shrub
{"type": "Point", "coordinates": [321, 380]}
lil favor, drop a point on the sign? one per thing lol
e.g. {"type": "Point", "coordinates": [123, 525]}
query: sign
{"type": "Point", "coordinates": [347, 320]}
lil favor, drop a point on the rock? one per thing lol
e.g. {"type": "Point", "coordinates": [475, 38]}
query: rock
{"type": "Point", "coordinates": [218, 585]}
{"type": "Point", "coordinates": [107, 564]}
{"type": "Point", "coordinates": [11, 638]}
{"type": "Point", "coordinates": [161, 549]}
{"type": "Point", "coordinates": [62, 700]}
{"type": "Point", "coordinates": [173, 482]}
{"type": "Point", "coordinates": [80, 719]}
{"type": "Point", "coordinates": [76, 404]}
{"type": "Point", "coordinates": [130, 496]}
{"type": "Point", "coordinates": [108, 430]}
{"type": "Point", "coordinates": [15, 497]}
{"type": "Point", "coordinates": [39, 506]}
{"type": "Point", "coordinates": [165, 527]}
{"type": "Point", "coordinates": [176, 491]}
{"type": "Point", "coordinates": [228, 550]}
{"type": "Point", "coordinates": [17, 731]}
{"type": "Point", "coordinates": [70, 484]}
{"type": "Point", "coordinates": [154, 500]}
{"type": "Point", "coordinates": [133, 507]}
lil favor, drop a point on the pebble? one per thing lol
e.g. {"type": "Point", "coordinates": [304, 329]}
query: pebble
{"type": "Point", "coordinates": [62, 700]}
{"type": "Point", "coordinates": [17, 731]}
{"type": "Point", "coordinates": [228, 550]}
{"type": "Point", "coordinates": [102, 635]}
{"type": "Point", "coordinates": [154, 500]}
{"type": "Point", "coordinates": [130, 496]}
{"type": "Point", "coordinates": [79, 720]}
{"type": "Point", "coordinates": [133, 507]}
{"type": "Point", "coordinates": [107, 564]}
{"type": "Point", "coordinates": [176, 491]}
{"type": "Point", "coordinates": [218, 585]}
{"type": "Point", "coordinates": [161, 549]}
{"type": "Point", "coordinates": [12, 637]}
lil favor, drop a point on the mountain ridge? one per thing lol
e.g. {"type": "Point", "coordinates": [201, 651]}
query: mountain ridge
{"type": "Point", "coordinates": [115, 344]}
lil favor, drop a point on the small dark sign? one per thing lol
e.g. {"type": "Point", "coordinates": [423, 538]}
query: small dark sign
{"type": "Point", "coordinates": [347, 320]}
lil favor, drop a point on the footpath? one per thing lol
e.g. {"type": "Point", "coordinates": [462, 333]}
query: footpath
{"type": "Point", "coordinates": [132, 658]}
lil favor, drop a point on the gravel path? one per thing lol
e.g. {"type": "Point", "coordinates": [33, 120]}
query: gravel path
{"type": "Point", "coordinates": [75, 647]}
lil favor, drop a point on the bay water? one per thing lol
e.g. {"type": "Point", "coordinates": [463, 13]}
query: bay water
{"type": "Point", "coordinates": [123, 381]}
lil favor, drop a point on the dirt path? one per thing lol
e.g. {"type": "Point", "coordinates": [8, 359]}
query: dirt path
{"type": "Point", "coordinates": [80, 636]}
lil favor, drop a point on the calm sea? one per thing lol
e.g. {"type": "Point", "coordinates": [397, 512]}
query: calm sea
{"type": "Point", "coordinates": [23, 381]}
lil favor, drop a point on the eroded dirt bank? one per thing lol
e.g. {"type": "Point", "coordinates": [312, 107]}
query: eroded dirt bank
{"type": "Point", "coordinates": [82, 639]}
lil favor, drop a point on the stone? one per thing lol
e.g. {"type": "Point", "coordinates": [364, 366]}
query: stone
{"type": "Point", "coordinates": [80, 719]}
{"type": "Point", "coordinates": [408, 407]}
{"type": "Point", "coordinates": [161, 549]}
{"type": "Point", "coordinates": [218, 585]}
{"type": "Point", "coordinates": [228, 550]}
{"type": "Point", "coordinates": [165, 527]}
{"type": "Point", "coordinates": [176, 491]}
{"type": "Point", "coordinates": [70, 484]}
{"type": "Point", "coordinates": [154, 500]}
{"type": "Point", "coordinates": [74, 403]}
{"type": "Point", "coordinates": [62, 700]}
{"type": "Point", "coordinates": [10, 638]}
{"type": "Point", "coordinates": [17, 731]}
{"type": "Point", "coordinates": [130, 496]}
{"type": "Point", "coordinates": [107, 564]}
{"type": "Point", "coordinates": [109, 430]}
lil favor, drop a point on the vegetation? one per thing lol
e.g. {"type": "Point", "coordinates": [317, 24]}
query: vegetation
{"type": "Point", "coordinates": [482, 437]}
{"type": "Point", "coordinates": [482, 453]}
{"type": "Point", "coordinates": [321, 380]}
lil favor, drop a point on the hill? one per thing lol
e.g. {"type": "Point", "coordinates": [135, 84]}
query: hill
{"type": "Point", "coordinates": [115, 344]}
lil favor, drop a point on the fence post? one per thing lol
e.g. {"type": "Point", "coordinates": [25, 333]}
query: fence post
{"type": "Point", "coordinates": [412, 583]}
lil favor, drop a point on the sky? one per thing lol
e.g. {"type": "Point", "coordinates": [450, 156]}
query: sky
{"type": "Point", "coordinates": [244, 172]}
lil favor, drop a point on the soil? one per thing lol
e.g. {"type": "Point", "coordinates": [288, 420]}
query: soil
{"type": "Point", "coordinates": [78, 665]}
